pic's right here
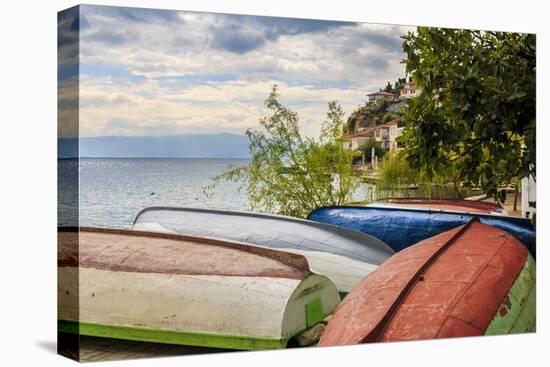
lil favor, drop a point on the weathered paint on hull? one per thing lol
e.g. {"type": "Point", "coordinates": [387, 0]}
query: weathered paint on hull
{"type": "Point", "coordinates": [517, 313]}
{"type": "Point", "coordinates": [401, 228]}
{"type": "Point", "coordinates": [183, 290]}
{"type": "Point", "coordinates": [472, 280]}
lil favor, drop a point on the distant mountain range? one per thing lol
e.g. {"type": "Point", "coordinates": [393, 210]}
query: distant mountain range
{"type": "Point", "coordinates": [177, 146]}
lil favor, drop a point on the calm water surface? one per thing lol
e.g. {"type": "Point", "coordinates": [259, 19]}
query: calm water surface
{"type": "Point", "coordinates": [113, 191]}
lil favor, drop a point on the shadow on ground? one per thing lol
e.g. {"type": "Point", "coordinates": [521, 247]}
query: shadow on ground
{"type": "Point", "coordinates": [48, 345]}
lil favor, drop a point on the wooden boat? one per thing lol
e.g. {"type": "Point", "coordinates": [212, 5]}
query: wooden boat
{"type": "Point", "coordinates": [186, 290]}
{"type": "Point", "coordinates": [401, 228]}
{"type": "Point", "coordinates": [444, 205]}
{"type": "Point", "coordinates": [471, 280]}
{"type": "Point", "coordinates": [342, 255]}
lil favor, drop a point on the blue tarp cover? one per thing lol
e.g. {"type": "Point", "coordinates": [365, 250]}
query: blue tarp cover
{"type": "Point", "coordinates": [400, 228]}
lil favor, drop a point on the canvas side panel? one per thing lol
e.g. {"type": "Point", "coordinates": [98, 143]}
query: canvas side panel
{"type": "Point", "coordinates": [68, 26]}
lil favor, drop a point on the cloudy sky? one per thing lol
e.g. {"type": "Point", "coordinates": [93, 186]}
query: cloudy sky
{"type": "Point", "coordinates": [156, 72]}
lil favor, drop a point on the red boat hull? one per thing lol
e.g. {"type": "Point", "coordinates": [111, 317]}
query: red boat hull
{"type": "Point", "coordinates": [470, 206]}
{"type": "Point", "coordinates": [450, 285]}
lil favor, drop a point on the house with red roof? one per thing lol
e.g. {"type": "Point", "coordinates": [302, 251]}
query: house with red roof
{"type": "Point", "coordinates": [385, 134]}
{"type": "Point", "coordinates": [377, 96]}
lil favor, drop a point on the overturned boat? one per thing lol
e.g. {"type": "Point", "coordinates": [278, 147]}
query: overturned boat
{"type": "Point", "coordinates": [185, 290]}
{"type": "Point", "coordinates": [342, 255]}
{"type": "Point", "coordinates": [471, 280]}
{"type": "Point", "coordinates": [443, 205]}
{"type": "Point", "coordinates": [401, 228]}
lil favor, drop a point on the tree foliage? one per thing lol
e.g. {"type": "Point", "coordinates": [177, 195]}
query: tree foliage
{"type": "Point", "coordinates": [396, 179]}
{"type": "Point", "coordinates": [290, 174]}
{"type": "Point", "coordinates": [366, 149]}
{"type": "Point", "coordinates": [398, 85]}
{"type": "Point", "coordinates": [389, 116]}
{"type": "Point", "coordinates": [477, 106]}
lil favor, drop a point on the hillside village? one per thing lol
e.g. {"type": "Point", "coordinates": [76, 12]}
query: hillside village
{"type": "Point", "coordinates": [379, 121]}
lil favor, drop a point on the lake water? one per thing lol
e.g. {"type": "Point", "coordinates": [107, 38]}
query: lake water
{"type": "Point", "coordinates": [113, 191]}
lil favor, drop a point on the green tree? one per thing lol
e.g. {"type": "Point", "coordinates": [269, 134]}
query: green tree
{"type": "Point", "coordinates": [477, 106]}
{"type": "Point", "coordinates": [389, 116]}
{"type": "Point", "coordinates": [398, 85]}
{"type": "Point", "coordinates": [389, 88]}
{"type": "Point", "coordinates": [356, 117]}
{"type": "Point", "coordinates": [333, 128]}
{"type": "Point", "coordinates": [379, 106]}
{"type": "Point", "coordinates": [290, 174]}
{"type": "Point", "coordinates": [397, 177]}
{"type": "Point", "coordinates": [366, 149]}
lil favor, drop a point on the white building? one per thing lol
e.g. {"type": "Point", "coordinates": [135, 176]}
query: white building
{"type": "Point", "coordinates": [377, 96]}
{"type": "Point", "coordinates": [528, 194]}
{"type": "Point", "coordinates": [387, 134]}
{"type": "Point", "coordinates": [410, 90]}
{"type": "Point", "coordinates": [382, 135]}
{"type": "Point", "coordinates": [357, 140]}
{"type": "Point", "coordinates": [395, 131]}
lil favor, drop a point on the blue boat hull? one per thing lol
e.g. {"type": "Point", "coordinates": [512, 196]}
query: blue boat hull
{"type": "Point", "coordinates": [401, 228]}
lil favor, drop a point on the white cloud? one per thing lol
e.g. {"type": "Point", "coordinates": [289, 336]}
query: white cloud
{"type": "Point", "coordinates": [178, 72]}
{"type": "Point", "coordinates": [196, 45]}
{"type": "Point", "coordinates": [232, 106]}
